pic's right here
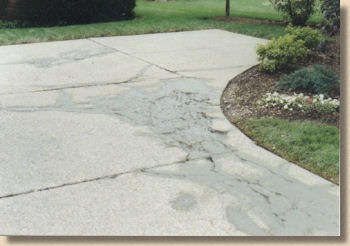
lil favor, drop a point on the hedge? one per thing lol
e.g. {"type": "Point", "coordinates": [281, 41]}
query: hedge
{"type": "Point", "coordinates": [63, 12]}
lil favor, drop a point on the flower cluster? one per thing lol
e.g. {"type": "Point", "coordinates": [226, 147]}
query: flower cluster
{"type": "Point", "coordinates": [286, 102]}
{"type": "Point", "coordinates": [300, 102]}
{"type": "Point", "coordinates": [324, 106]}
{"type": "Point", "coordinates": [322, 100]}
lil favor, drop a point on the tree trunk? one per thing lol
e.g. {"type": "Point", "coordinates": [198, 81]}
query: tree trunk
{"type": "Point", "coordinates": [227, 8]}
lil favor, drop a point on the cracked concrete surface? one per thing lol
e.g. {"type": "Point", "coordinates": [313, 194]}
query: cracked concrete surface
{"type": "Point", "coordinates": [125, 136]}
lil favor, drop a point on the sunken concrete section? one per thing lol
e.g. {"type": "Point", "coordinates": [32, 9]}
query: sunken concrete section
{"type": "Point", "coordinates": [125, 136]}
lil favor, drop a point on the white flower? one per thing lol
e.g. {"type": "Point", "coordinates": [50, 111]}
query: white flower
{"type": "Point", "coordinates": [297, 102]}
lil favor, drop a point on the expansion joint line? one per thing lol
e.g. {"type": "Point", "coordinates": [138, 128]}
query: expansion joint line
{"type": "Point", "coordinates": [109, 176]}
{"type": "Point", "coordinates": [138, 58]}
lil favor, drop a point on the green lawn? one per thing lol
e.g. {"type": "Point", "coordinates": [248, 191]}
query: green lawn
{"type": "Point", "coordinates": [311, 145]}
{"type": "Point", "coordinates": [153, 17]}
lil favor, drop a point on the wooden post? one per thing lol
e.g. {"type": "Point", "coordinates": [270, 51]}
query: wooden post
{"type": "Point", "coordinates": [227, 8]}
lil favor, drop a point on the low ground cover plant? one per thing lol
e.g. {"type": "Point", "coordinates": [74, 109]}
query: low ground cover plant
{"type": "Point", "coordinates": [285, 52]}
{"type": "Point", "coordinates": [300, 102]}
{"type": "Point", "coordinates": [317, 79]}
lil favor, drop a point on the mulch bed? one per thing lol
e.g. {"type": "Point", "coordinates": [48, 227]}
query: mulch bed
{"type": "Point", "coordinates": [249, 20]}
{"type": "Point", "coordinates": [239, 98]}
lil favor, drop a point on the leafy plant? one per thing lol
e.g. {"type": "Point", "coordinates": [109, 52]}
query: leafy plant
{"type": "Point", "coordinates": [298, 11]}
{"type": "Point", "coordinates": [282, 53]}
{"type": "Point", "coordinates": [316, 80]}
{"type": "Point", "coordinates": [311, 37]}
{"type": "Point", "coordinates": [331, 11]}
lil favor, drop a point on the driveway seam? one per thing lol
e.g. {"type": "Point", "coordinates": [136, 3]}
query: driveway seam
{"type": "Point", "coordinates": [109, 176]}
{"type": "Point", "coordinates": [136, 57]}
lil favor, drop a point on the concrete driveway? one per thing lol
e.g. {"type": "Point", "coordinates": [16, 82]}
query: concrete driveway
{"type": "Point", "coordinates": [125, 136]}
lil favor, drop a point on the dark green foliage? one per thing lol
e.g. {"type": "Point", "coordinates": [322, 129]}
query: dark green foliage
{"type": "Point", "coordinates": [311, 37]}
{"type": "Point", "coordinates": [62, 12]}
{"type": "Point", "coordinates": [331, 11]}
{"type": "Point", "coordinates": [316, 80]}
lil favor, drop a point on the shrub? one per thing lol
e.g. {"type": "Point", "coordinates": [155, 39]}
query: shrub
{"type": "Point", "coordinates": [298, 11]}
{"type": "Point", "coordinates": [331, 11]}
{"type": "Point", "coordinates": [282, 53]}
{"type": "Point", "coordinates": [311, 37]}
{"type": "Point", "coordinates": [10, 24]}
{"type": "Point", "coordinates": [316, 80]}
{"type": "Point", "coordinates": [3, 5]}
{"type": "Point", "coordinates": [58, 12]}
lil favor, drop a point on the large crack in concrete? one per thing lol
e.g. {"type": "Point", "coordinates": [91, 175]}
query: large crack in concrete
{"type": "Point", "coordinates": [84, 85]}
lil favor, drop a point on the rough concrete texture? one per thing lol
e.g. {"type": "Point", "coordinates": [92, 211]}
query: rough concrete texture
{"type": "Point", "coordinates": [125, 136]}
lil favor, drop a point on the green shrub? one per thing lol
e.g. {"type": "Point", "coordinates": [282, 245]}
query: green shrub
{"type": "Point", "coordinates": [9, 24]}
{"type": "Point", "coordinates": [298, 11]}
{"type": "Point", "coordinates": [3, 5]}
{"type": "Point", "coordinates": [311, 37]}
{"type": "Point", "coordinates": [316, 80]}
{"type": "Point", "coordinates": [282, 53]}
{"type": "Point", "coordinates": [61, 12]}
{"type": "Point", "coordinates": [331, 11]}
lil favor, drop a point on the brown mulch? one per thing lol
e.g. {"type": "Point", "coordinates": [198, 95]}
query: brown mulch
{"type": "Point", "coordinates": [239, 98]}
{"type": "Point", "coordinates": [248, 20]}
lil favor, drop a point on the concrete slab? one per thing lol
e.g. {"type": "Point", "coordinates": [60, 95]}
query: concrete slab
{"type": "Point", "coordinates": [45, 149]}
{"type": "Point", "coordinates": [60, 64]}
{"type": "Point", "coordinates": [125, 136]}
{"type": "Point", "coordinates": [178, 41]}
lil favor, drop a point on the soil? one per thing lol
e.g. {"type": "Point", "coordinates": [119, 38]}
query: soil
{"type": "Point", "coordinates": [239, 98]}
{"type": "Point", "coordinates": [249, 20]}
